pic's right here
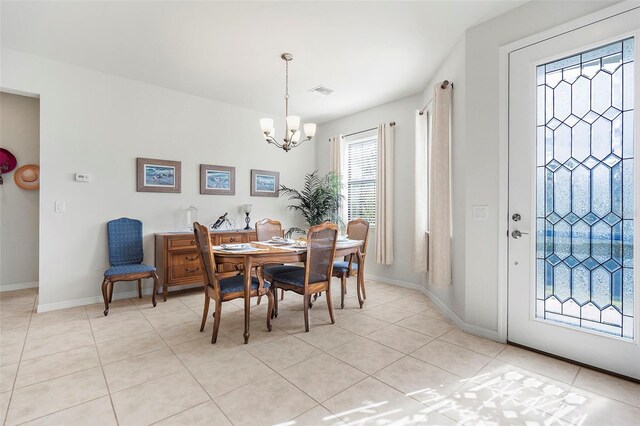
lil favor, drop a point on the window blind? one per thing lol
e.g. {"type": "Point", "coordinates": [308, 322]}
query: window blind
{"type": "Point", "coordinates": [361, 180]}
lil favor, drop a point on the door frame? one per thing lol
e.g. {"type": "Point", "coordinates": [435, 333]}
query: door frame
{"type": "Point", "coordinates": [503, 142]}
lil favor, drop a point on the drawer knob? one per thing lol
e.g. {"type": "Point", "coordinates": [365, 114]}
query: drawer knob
{"type": "Point", "coordinates": [232, 239]}
{"type": "Point", "coordinates": [192, 270]}
{"type": "Point", "coordinates": [193, 242]}
{"type": "Point", "coordinates": [191, 258]}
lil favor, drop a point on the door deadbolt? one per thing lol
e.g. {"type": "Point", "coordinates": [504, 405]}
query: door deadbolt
{"type": "Point", "coordinates": [516, 217]}
{"type": "Point", "coordinates": [517, 234]}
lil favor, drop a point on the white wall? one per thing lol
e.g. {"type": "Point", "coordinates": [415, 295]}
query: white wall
{"type": "Point", "coordinates": [20, 134]}
{"type": "Point", "coordinates": [98, 123]}
{"type": "Point", "coordinates": [402, 112]}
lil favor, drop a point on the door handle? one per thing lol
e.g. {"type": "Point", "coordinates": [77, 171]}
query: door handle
{"type": "Point", "coordinates": [516, 217]}
{"type": "Point", "coordinates": [517, 234]}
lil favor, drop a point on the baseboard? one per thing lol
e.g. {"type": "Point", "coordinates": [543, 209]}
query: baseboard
{"type": "Point", "coordinates": [90, 300]}
{"type": "Point", "coordinates": [19, 286]}
{"type": "Point", "coordinates": [442, 307]}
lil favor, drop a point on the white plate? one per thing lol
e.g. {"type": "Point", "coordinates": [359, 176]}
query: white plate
{"type": "Point", "coordinates": [236, 246]}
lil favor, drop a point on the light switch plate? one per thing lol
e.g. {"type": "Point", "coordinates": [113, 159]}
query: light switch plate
{"type": "Point", "coordinates": [481, 212]}
{"type": "Point", "coordinates": [59, 206]}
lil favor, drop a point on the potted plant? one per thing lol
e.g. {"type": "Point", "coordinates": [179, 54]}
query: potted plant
{"type": "Point", "coordinates": [319, 200]}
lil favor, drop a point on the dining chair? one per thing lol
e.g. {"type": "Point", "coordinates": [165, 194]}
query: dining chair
{"type": "Point", "coordinates": [357, 229]}
{"type": "Point", "coordinates": [315, 277]}
{"type": "Point", "coordinates": [125, 259]}
{"type": "Point", "coordinates": [223, 286]}
{"type": "Point", "coordinates": [265, 230]}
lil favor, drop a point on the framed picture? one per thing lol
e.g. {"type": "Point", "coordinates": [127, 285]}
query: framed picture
{"type": "Point", "coordinates": [158, 175]}
{"type": "Point", "coordinates": [264, 183]}
{"type": "Point", "coordinates": [217, 180]}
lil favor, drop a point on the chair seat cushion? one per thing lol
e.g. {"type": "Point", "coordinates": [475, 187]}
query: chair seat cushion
{"type": "Point", "coordinates": [274, 270]}
{"type": "Point", "coordinates": [296, 278]}
{"type": "Point", "coordinates": [128, 269]}
{"type": "Point", "coordinates": [235, 284]}
{"type": "Point", "coordinates": [343, 266]}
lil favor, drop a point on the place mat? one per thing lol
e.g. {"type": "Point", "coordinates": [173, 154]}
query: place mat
{"type": "Point", "coordinates": [244, 250]}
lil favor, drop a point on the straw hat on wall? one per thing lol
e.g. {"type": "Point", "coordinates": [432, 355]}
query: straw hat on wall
{"type": "Point", "coordinates": [28, 177]}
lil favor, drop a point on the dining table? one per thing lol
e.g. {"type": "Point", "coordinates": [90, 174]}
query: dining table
{"type": "Point", "coordinates": [258, 253]}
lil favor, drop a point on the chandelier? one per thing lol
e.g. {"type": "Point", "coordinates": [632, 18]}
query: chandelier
{"type": "Point", "coordinates": [292, 133]}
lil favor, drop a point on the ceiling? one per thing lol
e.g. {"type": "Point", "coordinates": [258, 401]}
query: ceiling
{"type": "Point", "coordinates": [368, 52]}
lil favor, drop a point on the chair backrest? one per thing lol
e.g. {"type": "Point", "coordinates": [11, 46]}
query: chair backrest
{"type": "Point", "coordinates": [205, 253]}
{"type": "Point", "coordinates": [267, 228]}
{"type": "Point", "coordinates": [125, 241]}
{"type": "Point", "coordinates": [358, 229]}
{"type": "Point", "coordinates": [321, 249]}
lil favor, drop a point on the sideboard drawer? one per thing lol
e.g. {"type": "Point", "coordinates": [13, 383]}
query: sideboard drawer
{"type": "Point", "coordinates": [182, 243]}
{"type": "Point", "coordinates": [230, 239]}
{"type": "Point", "coordinates": [185, 271]}
{"type": "Point", "coordinates": [190, 258]}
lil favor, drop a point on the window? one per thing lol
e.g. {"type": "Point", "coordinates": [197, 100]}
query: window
{"type": "Point", "coordinates": [361, 156]}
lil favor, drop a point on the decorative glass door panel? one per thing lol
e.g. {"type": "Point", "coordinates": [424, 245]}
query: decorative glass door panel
{"type": "Point", "coordinates": [584, 190]}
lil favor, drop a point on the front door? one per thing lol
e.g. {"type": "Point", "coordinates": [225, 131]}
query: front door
{"type": "Point", "coordinates": [573, 191]}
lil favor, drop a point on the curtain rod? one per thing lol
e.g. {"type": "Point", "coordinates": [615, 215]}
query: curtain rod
{"type": "Point", "coordinates": [442, 86]}
{"type": "Point", "coordinates": [393, 123]}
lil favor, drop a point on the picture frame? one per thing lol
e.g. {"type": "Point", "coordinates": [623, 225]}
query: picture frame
{"type": "Point", "coordinates": [154, 175]}
{"type": "Point", "coordinates": [265, 183]}
{"type": "Point", "coordinates": [217, 180]}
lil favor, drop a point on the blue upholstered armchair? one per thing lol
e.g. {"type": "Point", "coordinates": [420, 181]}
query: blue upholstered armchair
{"type": "Point", "coordinates": [125, 259]}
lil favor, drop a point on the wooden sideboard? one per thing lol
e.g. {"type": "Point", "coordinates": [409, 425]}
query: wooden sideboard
{"type": "Point", "coordinates": [177, 258]}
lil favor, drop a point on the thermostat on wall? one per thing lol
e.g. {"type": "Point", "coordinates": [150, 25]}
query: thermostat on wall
{"type": "Point", "coordinates": [82, 177]}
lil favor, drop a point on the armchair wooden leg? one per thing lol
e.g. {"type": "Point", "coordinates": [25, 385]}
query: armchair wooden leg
{"type": "Point", "coordinates": [275, 302]}
{"type": "Point", "coordinates": [343, 291]}
{"type": "Point", "coordinates": [105, 288]}
{"type": "Point", "coordinates": [139, 289]}
{"type": "Point", "coordinates": [110, 292]}
{"type": "Point", "coordinates": [270, 297]}
{"type": "Point", "coordinates": [216, 322]}
{"type": "Point", "coordinates": [281, 294]}
{"type": "Point", "coordinates": [364, 293]}
{"type": "Point", "coordinates": [307, 299]}
{"type": "Point", "coordinates": [330, 305]}
{"type": "Point", "coordinates": [165, 290]}
{"type": "Point", "coordinates": [155, 289]}
{"type": "Point", "coordinates": [205, 312]}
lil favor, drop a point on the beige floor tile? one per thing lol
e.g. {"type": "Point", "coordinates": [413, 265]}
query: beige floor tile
{"type": "Point", "coordinates": [158, 399]}
{"type": "Point", "coordinates": [475, 404]}
{"type": "Point", "coordinates": [8, 376]}
{"type": "Point", "coordinates": [456, 360]}
{"type": "Point", "coordinates": [55, 395]}
{"type": "Point", "coordinates": [16, 310]}
{"type": "Point", "coordinates": [400, 338]}
{"type": "Point", "coordinates": [125, 323]}
{"type": "Point", "coordinates": [10, 354]}
{"type": "Point", "coordinates": [25, 295]}
{"type": "Point", "coordinates": [475, 343]}
{"type": "Point", "coordinates": [258, 334]}
{"type": "Point", "coordinates": [317, 416]}
{"type": "Point", "coordinates": [46, 330]}
{"type": "Point", "coordinates": [141, 369]}
{"type": "Point", "coordinates": [326, 336]}
{"type": "Point", "coordinates": [41, 346]}
{"type": "Point", "coordinates": [421, 381]}
{"type": "Point", "coordinates": [59, 317]}
{"type": "Point", "coordinates": [366, 355]}
{"type": "Point", "coordinates": [323, 376]}
{"type": "Point", "coordinates": [4, 404]}
{"type": "Point", "coordinates": [185, 332]}
{"type": "Point", "coordinates": [372, 402]}
{"type": "Point", "coordinates": [19, 322]}
{"type": "Point", "coordinates": [199, 351]}
{"type": "Point", "coordinates": [582, 407]}
{"type": "Point", "coordinates": [160, 319]}
{"type": "Point", "coordinates": [129, 346]}
{"type": "Point", "coordinates": [609, 386]}
{"type": "Point", "coordinates": [226, 373]}
{"type": "Point", "coordinates": [282, 353]}
{"type": "Point", "coordinates": [205, 414]}
{"type": "Point", "coordinates": [541, 364]}
{"type": "Point", "coordinates": [293, 321]}
{"type": "Point", "coordinates": [60, 364]}
{"type": "Point", "coordinates": [434, 313]}
{"type": "Point", "coordinates": [426, 325]}
{"type": "Point", "coordinates": [532, 389]}
{"type": "Point", "coordinates": [97, 309]}
{"type": "Point", "coordinates": [98, 412]}
{"type": "Point", "coordinates": [388, 313]}
{"type": "Point", "coordinates": [412, 304]}
{"type": "Point", "coordinates": [382, 295]}
{"type": "Point", "coordinates": [361, 324]}
{"type": "Point", "coordinates": [278, 402]}
{"type": "Point", "coordinates": [13, 337]}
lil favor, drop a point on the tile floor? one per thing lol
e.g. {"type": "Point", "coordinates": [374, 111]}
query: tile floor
{"type": "Point", "coordinates": [397, 361]}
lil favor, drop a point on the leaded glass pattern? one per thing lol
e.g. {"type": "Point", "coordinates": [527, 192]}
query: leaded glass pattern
{"type": "Point", "coordinates": [584, 190]}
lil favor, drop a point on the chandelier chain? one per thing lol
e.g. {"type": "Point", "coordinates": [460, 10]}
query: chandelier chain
{"type": "Point", "coordinates": [286, 94]}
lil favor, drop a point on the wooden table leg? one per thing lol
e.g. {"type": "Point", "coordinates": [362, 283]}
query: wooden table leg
{"type": "Point", "coordinates": [247, 296]}
{"type": "Point", "coordinates": [360, 283]}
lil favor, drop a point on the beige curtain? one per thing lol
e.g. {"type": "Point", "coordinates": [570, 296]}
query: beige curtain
{"type": "Point", "coordinates": [384, 195]}
{"type": "Point", "coordinates": [421, 196]}
{"type": "Point", "coordinates": [335, 163]}
{"type": "Point", "coordinates": [439, 190]}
